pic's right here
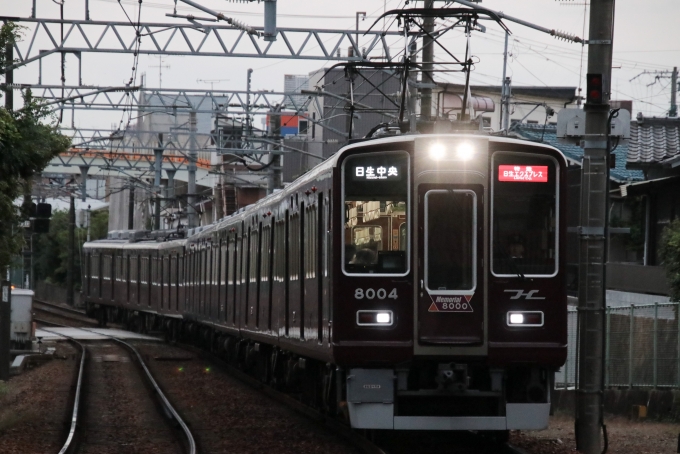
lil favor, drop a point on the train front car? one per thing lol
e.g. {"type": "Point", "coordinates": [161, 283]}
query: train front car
{"type": "Point", "coordinates": [449, 301]}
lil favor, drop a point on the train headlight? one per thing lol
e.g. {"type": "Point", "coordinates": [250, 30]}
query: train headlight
{"type": "Point", "coordinates": [437, 151]}
{"type": "Point", "coordinates": [525, 318]}
{"type": "Point", "coordinates": [374, 318]}
{"type": "Point", "coordinates": [465, 151]}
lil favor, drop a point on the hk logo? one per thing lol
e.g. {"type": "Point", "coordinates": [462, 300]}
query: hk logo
{"type": "Point", "coordinates": [526, 295]}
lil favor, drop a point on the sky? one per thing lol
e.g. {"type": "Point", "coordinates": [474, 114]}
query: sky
{"type": "Point", "coordinates": [643, 42]}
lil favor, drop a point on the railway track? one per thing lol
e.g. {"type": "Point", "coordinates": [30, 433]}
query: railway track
{"type": "Point", "coordinates": [368, 442]}
{"type": "Point", "coordinates": [56, 315]}
{"type": "Point", "coordinates": [119, 407]}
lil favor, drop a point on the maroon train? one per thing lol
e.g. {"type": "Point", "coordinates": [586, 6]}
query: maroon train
{"type": "Point", "coordinates": [410, 282]}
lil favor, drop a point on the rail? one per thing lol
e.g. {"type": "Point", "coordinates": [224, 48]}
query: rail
{"type": "Point", "coordinates": [191, 443]}
{"type": "Point", "coordinates": [76, 401]}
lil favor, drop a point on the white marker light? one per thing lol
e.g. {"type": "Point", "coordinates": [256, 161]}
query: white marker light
{"type": "Point", "coordinates": [382, 317]}
{"type": "Point", "coordinates": [437, 151]}
{"type": "Point", "coordinates": [465, 151]}
{"type": "Point", "coordinates": [516, 319]}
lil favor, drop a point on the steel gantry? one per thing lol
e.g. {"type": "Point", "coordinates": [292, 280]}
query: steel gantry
{"type": "Point", "coordinates": [191, 40]}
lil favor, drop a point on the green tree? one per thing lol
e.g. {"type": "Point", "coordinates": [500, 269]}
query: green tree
{"type": "Point", "coordinates": [670, 254]}
{"type": "Point", "coordinates": [27, 143]}
{"type": "Point", "coordinates": [51, 251]}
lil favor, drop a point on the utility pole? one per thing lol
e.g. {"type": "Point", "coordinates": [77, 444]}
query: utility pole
{"type": "Point", "coordinates": [158, 170]}
{"type": "Point", "coordinates": [274, 181]}
{"type": "Point", "coordinates": [193, 159]}
{"type": "Point", "coordinates": [674, 93]}
{"type": "Point", "coordinates": [593, 230]}
{"type": "Point", "coordinates": [507, 90]}
{"type": "Point", "coordinates": [413, 81]}
{"type": "Point", "coordinates": [505, 99]}
{"type": "Point", "coordinates": [9, 78]}
{"type": "Point", "coordinates": [428, 58]}
{"type": "Point", "coordinates": [70, 268]}
{"type": "Point", "coordinates": [5, 328]}
{"type": "Point", "coordinates": [131, 207]}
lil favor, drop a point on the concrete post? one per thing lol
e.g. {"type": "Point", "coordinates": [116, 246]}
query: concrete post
{"type": "Point", "coordinates": [428, 57]}
{"type": "Point", "coordinates": [593, 233]}
{"type": "Point", "coordinates": [5, 328]}
{"type": "Point", "coordinates": [9, 78]}
{"type": "Point", "coordinates": [193, 159]}
{"type": "Point", "coordinates": [83, 182]}
{"type": "Point", "coordinates": [70, 268]}
{"type": "Point", "coordinates": [274, 180]}
{"type": "Point", "coordinates": [674, 93]}
{"type": "Point", "coordinates": [413, 79]}
{"type": "Point", "coordinates": [158, 174]}
{"type": "Point", "coordinates": [131, 207]}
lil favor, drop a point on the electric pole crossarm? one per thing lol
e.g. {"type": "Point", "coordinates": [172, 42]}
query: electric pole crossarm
{"type": "Point", "coordinates": [120, 37]}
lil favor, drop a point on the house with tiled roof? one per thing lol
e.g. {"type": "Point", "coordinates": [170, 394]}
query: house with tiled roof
{"type": "Point", "coordinates": [620, 174]}
{"type": "Point", "coordinates": [654, 150]}
{"type": "Point", "coordinates": [632, 274]}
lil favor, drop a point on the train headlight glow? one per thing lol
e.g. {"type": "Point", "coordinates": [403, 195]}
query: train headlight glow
{"type": "Point", "coordinates": [525, 318]}
{"type": "Point", "coordinates": [374, 318]}
{"type": "Point", "coordinates": [465, 151]}
{"type": "Point", "coordinates": [437, 151]}
{"type": "Point", "coordinates": [383, 317]}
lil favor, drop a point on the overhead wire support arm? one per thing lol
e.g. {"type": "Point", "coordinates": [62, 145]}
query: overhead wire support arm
{"type": "Point", "coordinates": [556, 33]}
{"type": "Point", "coordinates": [233, 22]}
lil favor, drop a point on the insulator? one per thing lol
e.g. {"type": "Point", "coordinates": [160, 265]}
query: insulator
{"type": "Point", "coordinates": [565, 36]}
{"type": "Point", "coordinates": [241, 26]}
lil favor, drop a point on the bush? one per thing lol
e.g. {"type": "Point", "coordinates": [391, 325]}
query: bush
{"type": "Point", "coordinates": [669, 252]}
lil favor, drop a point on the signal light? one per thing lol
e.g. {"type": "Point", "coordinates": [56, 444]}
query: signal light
{"type": "Point", "coordinates": [594, 89]}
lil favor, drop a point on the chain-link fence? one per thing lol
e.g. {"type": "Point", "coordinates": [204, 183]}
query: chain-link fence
{"type": "Point", "coordinates": [643, 347]}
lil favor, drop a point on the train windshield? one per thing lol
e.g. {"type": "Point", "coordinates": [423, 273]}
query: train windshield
{"type": "Point", "coordinates": [376, 213]}
{"type": "Point", "coordinates": [451, 224]}
{"type": "Point", "coordinates": [524, 215]}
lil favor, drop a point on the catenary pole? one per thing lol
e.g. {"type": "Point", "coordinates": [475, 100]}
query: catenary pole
{"type": "Point", "coordinates": [674, 93]}
{"type": "Point", "coordinates": [593, 230]}
{"type": "Point", "coordinates": [428, 58]}
{"type": "Point", "coordinates": [70, 268]}
{"type": "Point", "coordinates": [193, 160]}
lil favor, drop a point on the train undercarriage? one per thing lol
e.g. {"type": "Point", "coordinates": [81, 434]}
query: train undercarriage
{"type": "Point", "coordinates": [423, 394]}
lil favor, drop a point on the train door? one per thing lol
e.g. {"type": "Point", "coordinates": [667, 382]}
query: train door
{"type": "Point", "coordinates": [231, 279]}
{"type": "Point", "coordinates": [251, 279]}
{"type": "Point", "coordinates": [451, 296]}
{"type": "Point", "coordinates": [293, 273]}
{"type": "Point", "coordinates": [222, 293]}
{"type": "Point", "coordinates": [264, 320]}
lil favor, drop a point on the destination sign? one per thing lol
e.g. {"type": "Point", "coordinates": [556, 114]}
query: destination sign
{"type": "Point", "coordinates": [523, 174]}
{"type": "Point", "coordinates": [378, 172]}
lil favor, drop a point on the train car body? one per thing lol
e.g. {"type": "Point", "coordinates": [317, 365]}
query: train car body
{"type": "Point", "coordinates": [411, 282]}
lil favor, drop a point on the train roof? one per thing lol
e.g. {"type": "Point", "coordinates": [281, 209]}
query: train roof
{"type": "Point", "coordinates": [326, 167]}
{"type": "Point", "coordinates": [126, 245]}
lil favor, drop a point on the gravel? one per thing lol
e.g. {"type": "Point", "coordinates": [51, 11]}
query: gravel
{"type": "Point", "coordinates": [625, 437]}
{"type": "Point", "coordinates": [228, 416]}
{"type": "Point", "coordinates": [35, 406]}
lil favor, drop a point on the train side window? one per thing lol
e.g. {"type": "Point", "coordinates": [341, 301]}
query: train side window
{"type": "Point", "coordinates": [376, 211]}
{"type": "Point", "coordinates": [524, 215]}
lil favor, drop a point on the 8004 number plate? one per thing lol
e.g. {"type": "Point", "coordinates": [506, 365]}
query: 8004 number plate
{"type": "Point", "coordinates": [371, 294]}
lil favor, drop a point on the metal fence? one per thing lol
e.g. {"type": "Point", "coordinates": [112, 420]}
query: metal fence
{"type": "Point", "coordinates": [642, 350]}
